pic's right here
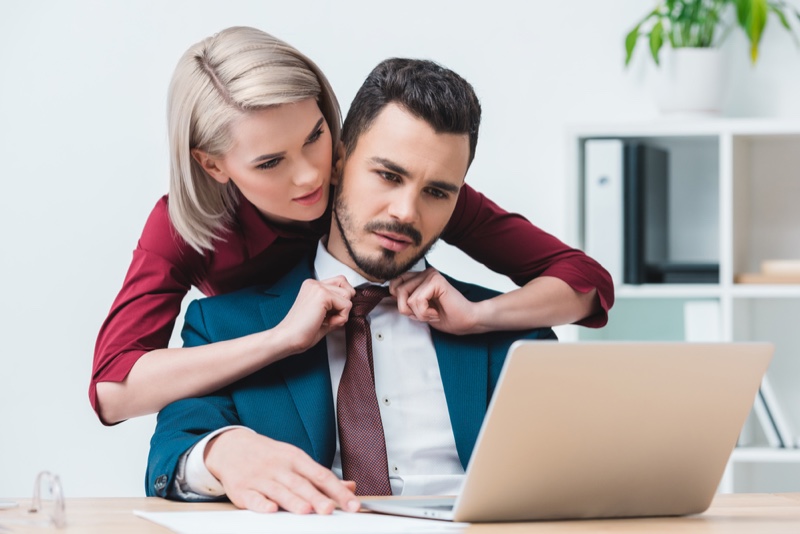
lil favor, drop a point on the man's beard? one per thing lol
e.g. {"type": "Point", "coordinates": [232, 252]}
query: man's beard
{"type": "Point", "coordinates": [384, 267]}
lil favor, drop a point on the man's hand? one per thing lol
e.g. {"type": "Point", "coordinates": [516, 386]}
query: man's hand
{"type": "Point", "coordinates": [263, 475]}
{"type": "Point", "coordinates": [427, 296]}
{"type": "Point", "coordinates": [321, 306]}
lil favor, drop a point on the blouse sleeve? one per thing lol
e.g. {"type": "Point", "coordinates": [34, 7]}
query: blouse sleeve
{"type": "Point", "coordinates": [144, 312]}
{"type": "Point", "coordinates": [509, 244]}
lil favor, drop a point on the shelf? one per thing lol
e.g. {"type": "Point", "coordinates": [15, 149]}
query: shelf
{"type": "Point", "coordinates": [765, 454]}
{"type": "Point", "coordinates": [766, 290]}
{"type": "Point", "coordinates": [684, 291]}
{"type": "Point", "coordinates": [687, 128]}
{"type": "Point", "coordinates": [731, 200]}
{"type": "Point", "coordinates": [680, 291]}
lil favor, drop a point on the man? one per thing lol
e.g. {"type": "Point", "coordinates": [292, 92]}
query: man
{"type": "Point", "coordinates": [407, 143]}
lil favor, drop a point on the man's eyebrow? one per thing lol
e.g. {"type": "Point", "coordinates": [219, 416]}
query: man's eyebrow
{"type": "Point", "coordinates": [445, 186]}
{"type": "Point", "coordinates": [391, 165]}
{"type": "Point", "coordinates": [266, 157]}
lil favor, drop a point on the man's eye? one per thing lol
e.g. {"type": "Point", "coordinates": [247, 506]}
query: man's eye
{"type": "Point", "coordinates": [389, 176]}
{"type": "Point", "coordinates": [269, 164]}
{"type": "Point", "coordinates": [437, 193]}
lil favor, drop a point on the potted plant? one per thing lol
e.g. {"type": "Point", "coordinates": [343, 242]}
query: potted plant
{"type": "Point", "coordinates": [694, 29]}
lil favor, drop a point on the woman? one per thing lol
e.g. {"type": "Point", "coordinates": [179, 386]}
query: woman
{"type": "Point", "coordinates": [249, 196]}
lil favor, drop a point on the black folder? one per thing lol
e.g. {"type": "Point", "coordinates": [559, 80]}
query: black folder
{"type": "Point", "coordinates": [646, 211]}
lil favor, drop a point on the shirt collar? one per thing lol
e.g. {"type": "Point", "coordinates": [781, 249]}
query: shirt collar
{"type": "Point", "coordinates": [259, 234]}
{"type": "Point", "coordinates": [326, 266]}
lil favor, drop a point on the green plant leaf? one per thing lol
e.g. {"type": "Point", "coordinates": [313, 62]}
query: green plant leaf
{"type": "Point", "coordinates": [742, 12]}
{"type": "Point", "coordinates": [656, 40]}
{"type": "Point", "coordinates": [630, 43]}
{"type": "Point", "coordinates": [756, 21]}
{"type": "Point", "coordinates": [781, 16]}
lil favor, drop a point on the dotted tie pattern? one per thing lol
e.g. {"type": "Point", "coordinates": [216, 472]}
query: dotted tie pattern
{"type": "Point", "coordinates": [363, 445]}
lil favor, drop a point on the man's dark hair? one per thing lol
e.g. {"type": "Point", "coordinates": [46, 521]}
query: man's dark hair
{"type": "Point", "coordinates": [433, 93]}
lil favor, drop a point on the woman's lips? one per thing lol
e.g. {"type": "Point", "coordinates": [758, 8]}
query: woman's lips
{"type": "Point", "coordinates": [310, 199]}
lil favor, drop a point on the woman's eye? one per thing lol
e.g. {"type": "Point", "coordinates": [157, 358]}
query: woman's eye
{"type": "Point", "coordinates": [269, 164]}
{"type": "Point", "coordinates": [316, 135]}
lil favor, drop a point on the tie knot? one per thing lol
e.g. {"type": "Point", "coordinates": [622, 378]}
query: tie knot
{"type": "Point", "coordinates": [367, 297]}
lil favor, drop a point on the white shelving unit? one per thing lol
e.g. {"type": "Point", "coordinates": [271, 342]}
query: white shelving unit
{"type": "Point", "coordinates": [734, 199]}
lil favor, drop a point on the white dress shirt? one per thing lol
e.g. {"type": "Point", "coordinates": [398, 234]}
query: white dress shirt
{"type": "Point", "coordinates": [420, 447]}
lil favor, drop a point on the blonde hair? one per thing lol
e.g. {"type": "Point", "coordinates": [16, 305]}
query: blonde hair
{"type": "Point", "coordinates": [233, 72]}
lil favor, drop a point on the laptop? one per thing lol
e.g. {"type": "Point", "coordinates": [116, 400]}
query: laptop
{"type": "Point", "coordinates": [603, 429]}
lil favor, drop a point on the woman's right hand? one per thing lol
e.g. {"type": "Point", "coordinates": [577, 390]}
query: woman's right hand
{"type": "Point", "coordinates": [320, 307]}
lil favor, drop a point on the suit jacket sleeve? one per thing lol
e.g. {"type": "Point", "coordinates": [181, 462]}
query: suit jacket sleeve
{"type": "Point", "coordinates": [185, 422]}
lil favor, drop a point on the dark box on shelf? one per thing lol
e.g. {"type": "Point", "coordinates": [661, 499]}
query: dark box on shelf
{"type": "Point", "coordinates": [682, 273]}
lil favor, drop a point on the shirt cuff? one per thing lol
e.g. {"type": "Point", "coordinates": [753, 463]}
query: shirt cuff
{"type": "Point", "coordinates": [193, 479]}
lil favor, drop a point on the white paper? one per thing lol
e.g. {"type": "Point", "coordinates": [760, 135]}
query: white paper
{"type": "Point", "coordinates": [702, 320]}
{"type": "Point", "coordinates": [246, 522]}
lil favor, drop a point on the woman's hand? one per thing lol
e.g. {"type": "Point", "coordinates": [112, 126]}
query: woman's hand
{"type": "Point", "coordinates": [320, 307]}
{"type": "Point", "coordinates": [427, 296]}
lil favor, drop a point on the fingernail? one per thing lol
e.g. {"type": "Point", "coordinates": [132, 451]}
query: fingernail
{"type": "Point", "coordinates": [353, 506]}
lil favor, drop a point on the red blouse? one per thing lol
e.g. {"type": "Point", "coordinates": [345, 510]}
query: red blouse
{"type": "Point", "coordinates": [254, 251]}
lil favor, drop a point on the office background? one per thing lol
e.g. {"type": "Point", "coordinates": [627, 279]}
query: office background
{"type": "Point", "coordinates": [84, 159]}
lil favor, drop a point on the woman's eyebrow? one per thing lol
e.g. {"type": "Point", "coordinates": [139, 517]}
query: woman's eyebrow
{"type": "Point", "coordinates": [316, 126]}
{"type": "Point", "coordinates": [266, 157]}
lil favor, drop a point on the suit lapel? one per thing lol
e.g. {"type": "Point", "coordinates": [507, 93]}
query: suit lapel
{"type": "Point", "coordinates": [464, 366]}
{"type": "Point", "coordinates": [307, 375]}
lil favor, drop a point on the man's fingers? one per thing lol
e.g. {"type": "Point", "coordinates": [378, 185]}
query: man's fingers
{"type": "Point", "coordinates": [285, 497]}
{"type": "Point", "coordinates": [326, 482]}
{"type": "Point", "coordinates": [253, 500]}
{"type": "Point", "coordinates": [307, 491]}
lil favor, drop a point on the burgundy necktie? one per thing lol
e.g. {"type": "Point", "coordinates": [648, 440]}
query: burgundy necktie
{"type": "Point", "coordinates": [363, 446]}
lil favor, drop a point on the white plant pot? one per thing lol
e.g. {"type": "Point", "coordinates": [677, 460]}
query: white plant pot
{"type": "Point", "coordinates": [690, 81]}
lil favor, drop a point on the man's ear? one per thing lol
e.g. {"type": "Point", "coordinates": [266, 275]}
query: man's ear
{"type": "Point", "coordinates": [210, 164]}
{"type": "Point", "coordinates": [338, 166]}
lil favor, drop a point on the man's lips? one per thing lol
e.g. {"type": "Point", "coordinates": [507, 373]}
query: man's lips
{"type": "Point", "coordinates": [394, 242]}
{"type": "Point", "coordinates": [311, 198]}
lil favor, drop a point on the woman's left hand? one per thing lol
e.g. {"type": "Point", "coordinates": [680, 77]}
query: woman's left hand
{"type": "Point", "coordinates": [427, 296]}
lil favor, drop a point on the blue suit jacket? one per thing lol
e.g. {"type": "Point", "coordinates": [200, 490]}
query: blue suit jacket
{"type": "Point", "coordinates": [291, 400]}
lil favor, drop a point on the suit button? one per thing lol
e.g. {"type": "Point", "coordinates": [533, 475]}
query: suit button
{"type": "Point", "coordinates": [161, 482]}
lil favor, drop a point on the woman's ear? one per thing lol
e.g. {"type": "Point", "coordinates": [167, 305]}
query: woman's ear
{"type": "Point", "coordinates": [211, 165]}
{"type": "Point", "coordinates": [338, 165]}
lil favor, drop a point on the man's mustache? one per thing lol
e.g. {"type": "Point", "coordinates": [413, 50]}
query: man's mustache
{"type": "Point", "coordinates": [396, 228]}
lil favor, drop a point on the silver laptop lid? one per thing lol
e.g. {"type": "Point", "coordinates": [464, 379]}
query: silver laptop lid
{"type": "Point", "coordinates": [610, 429]}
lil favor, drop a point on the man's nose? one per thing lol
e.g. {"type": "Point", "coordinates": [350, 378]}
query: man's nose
{"type": "Point", "coordinates": [403, 206]}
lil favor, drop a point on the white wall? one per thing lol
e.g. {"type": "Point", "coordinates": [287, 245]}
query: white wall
{"type": "Point", "coordinates": [83, 158]}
